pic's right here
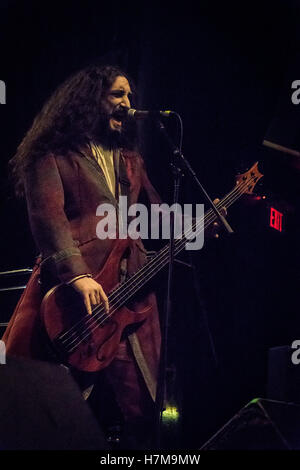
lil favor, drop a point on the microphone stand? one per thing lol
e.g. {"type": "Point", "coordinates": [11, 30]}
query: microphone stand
{"type": "Point", "coordinates": [179, 163]}
{"type": "Point", "coordinates": [160, 390]}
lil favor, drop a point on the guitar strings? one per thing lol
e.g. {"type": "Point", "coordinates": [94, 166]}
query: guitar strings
{"type": "Point", "coordinates": [128, 281]}
{"type": "Point", "coordinates": [161, 257]}
{"type": "Point", "coordinates": [95, 319]}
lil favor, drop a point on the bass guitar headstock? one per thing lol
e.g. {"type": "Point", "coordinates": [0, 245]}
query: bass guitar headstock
{"type": "Point", "coordinates": [247, 181]}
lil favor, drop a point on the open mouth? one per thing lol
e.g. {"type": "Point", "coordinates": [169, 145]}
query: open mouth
{"type": "Point", "coordinates": [119, 115]}
{"type": "Point", "coordinates": [116, 122]}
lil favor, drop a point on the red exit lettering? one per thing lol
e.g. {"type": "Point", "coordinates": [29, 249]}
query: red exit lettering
{"type": "Point", "coordinates": [275, 219]}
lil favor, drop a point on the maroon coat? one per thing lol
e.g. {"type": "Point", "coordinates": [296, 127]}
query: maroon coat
{"type": "Point", "coordinates": [62, 195]}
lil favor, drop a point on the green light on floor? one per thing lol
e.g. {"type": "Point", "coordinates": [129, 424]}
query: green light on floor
{"type": "Point", "coordinates": [255, 400]}
{"type": "Point", "coordinates": [170, 414]}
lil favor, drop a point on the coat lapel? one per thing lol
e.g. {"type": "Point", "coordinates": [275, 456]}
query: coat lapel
{"type": "Point", "coordinates": [122, 177]}
{"type": "Point", "coordinates": [87, 154]}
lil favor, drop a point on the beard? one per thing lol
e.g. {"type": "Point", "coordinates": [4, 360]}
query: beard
{"type": "Point", "coordinates": [113, 139]}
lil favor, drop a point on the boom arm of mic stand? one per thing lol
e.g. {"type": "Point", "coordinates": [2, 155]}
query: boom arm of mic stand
{"type": "Point", "coordinates": [186, 165]}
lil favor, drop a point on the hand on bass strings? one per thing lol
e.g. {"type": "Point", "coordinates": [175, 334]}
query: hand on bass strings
{"type": "Point", "coordinates": [91, 292]}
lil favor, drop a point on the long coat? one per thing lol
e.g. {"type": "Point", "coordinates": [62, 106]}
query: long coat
{"type": "Point", "coordinates": [63, 193]}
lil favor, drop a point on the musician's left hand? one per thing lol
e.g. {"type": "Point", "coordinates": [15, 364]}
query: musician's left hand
{"type": "Point", "coordinates": [214, 230]}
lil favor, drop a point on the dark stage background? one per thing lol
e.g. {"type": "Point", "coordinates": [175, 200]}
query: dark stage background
{"type": "Point", "coordinates": [227, 70]}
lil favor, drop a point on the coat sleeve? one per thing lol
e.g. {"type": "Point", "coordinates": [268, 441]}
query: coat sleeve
{"type": "Point", "coordinates": [49, 224]}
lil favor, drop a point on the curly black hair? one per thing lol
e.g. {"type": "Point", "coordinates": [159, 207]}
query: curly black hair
{"type": "Point", "coordinates": [68, 120]}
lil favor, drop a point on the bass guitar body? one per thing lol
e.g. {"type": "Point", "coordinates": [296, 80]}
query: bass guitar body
{"type": "Point", "coordinates": [89, 342]}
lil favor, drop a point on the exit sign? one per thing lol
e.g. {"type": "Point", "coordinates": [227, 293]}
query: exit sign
{"type": "Point", "coordinates": [275, 219]}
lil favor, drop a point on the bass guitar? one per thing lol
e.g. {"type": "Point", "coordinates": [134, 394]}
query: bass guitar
{"type": "Point", "coordinates": [89, 342]}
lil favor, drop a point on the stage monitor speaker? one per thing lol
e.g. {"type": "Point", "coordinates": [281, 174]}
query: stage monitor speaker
{"type": "Point", "coordinates": [260, 425]}
{"type": "Point", "coordinates": [41, 408]}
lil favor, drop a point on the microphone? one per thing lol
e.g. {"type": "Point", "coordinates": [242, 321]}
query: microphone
{"type": "Point", "coordinates": [139, 115]}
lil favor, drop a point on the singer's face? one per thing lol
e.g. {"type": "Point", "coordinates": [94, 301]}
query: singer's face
{"type": "Point", "coordinates": [117, 96]}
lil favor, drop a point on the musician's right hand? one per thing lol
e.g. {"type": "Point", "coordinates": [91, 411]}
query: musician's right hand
{"type": "Point", "coordinates": [92, 293]}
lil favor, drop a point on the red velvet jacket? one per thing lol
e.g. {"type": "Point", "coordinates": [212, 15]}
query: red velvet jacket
{"type": "Point", "coordinates": [62, 195]}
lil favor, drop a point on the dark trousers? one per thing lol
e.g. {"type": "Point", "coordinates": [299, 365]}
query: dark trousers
{"type": "Point", "coordinates": [120, 400]}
